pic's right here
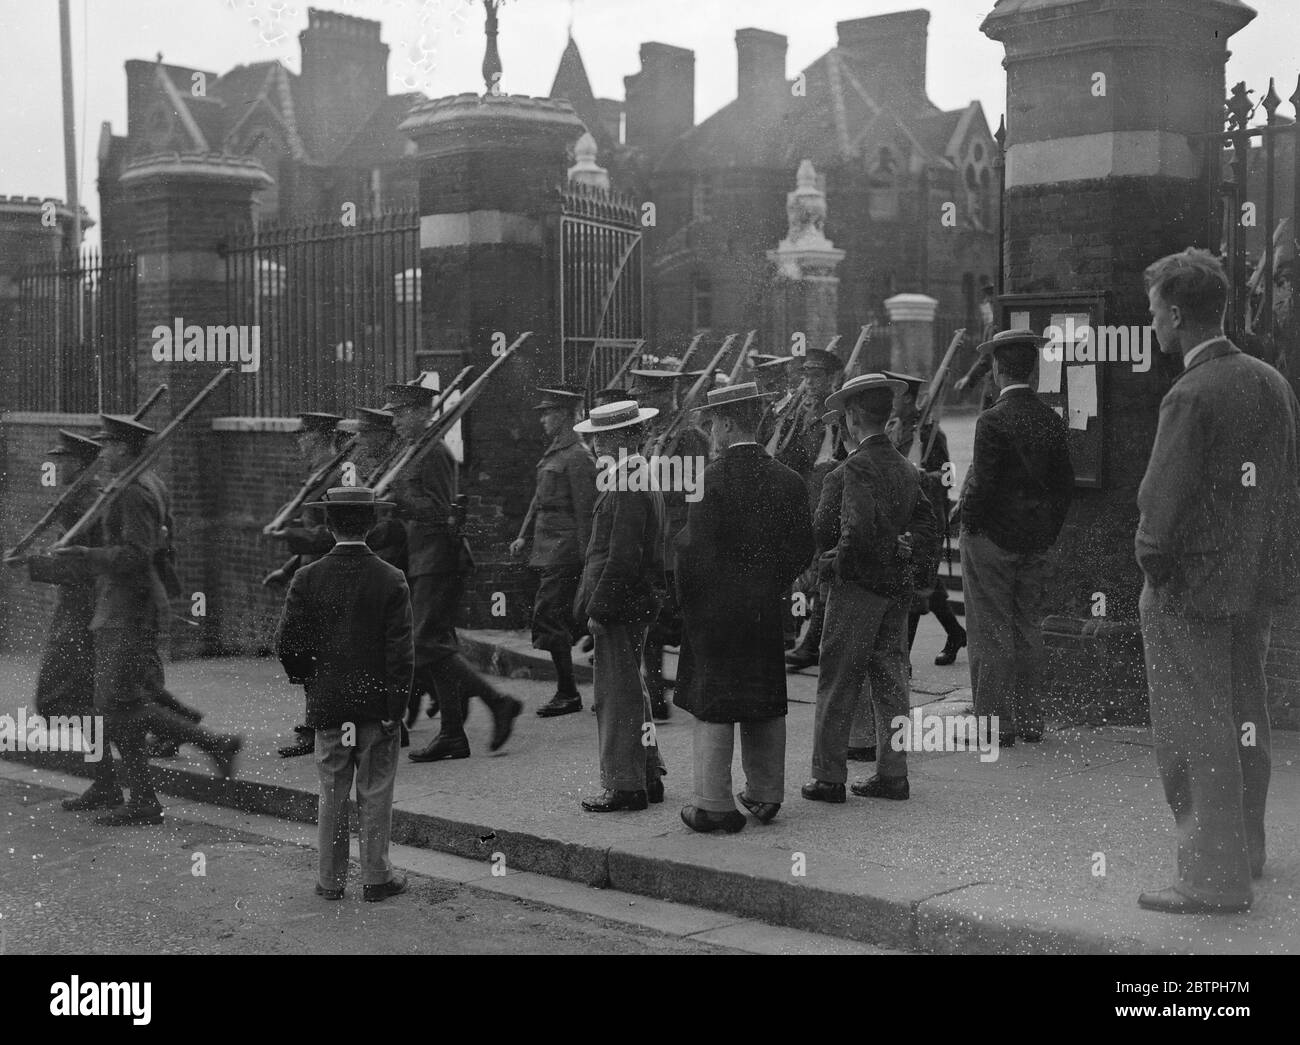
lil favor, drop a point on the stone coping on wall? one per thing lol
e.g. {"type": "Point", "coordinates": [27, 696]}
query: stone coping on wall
{"type": "Point", "coordinates": [49, 417]}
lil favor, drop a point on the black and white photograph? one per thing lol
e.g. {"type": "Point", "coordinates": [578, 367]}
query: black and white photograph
{"type": "Point", "coordinates": [517, 478]}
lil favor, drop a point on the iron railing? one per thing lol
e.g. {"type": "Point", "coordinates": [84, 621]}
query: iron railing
{"type": "Point", "coordinates": [71, 345]}
{"type": "Point", "coordinates": [337, 308]}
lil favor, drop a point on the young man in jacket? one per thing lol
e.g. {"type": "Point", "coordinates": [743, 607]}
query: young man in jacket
{"type": "Point", "coordinates": [1217, 544]}
{"type": "Point", "coordinates": [618, 598]}
{"type": "Point", "coordinates": [745, 541]}
{"type": "Point", "coordinates": [884, 515]}
{"type": "Point", "coordinates": [346, 636]}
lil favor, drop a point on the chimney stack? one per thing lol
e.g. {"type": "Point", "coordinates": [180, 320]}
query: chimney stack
{"type": "Point", "coordinates": [893, 50]}
{"type": "Point", "coordinates": [760, 65]}
{"type": "Point", "coordinates": [661, 97]}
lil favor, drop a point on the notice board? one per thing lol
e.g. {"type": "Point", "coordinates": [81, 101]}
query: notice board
{"type": "Point", "coordinates": [1073, 390]}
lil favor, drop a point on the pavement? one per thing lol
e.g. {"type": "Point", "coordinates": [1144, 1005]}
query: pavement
{"type": "Point", "coordinates": [1041, 851]}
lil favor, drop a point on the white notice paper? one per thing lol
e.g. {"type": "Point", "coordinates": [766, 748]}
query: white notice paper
{"type": "Point", "coordinates": [1049, 374]}
{"type": "Point", "coordinates": [1081, 386]}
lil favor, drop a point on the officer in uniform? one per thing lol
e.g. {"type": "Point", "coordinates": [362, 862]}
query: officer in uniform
{"type": "Point", "coordinates": [559, 523]}
{"type": "Point", "coordinates": [134, 580]}
{"type": "Point", "coordinates": [309, 540]}
{"type": "Point", "coordinates": [656, 390]}
{"type": "Point", "coordinates": [376, 443]}
{"type": "Point", "coordinates": [437, 555]}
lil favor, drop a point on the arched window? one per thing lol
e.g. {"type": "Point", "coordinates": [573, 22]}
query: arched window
{"type": "Point", "coordinates": [973, 194]}
{"type": "Point", "coordinates": [986, 196]}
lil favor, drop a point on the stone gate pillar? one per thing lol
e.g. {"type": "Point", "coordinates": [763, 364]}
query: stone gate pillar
{"type": "Point", "coordinates": [911, 322]}
{"type": "Point", "coordinates": [1102, 178]}
{"type": "Point", "coordinates": [180, 208]}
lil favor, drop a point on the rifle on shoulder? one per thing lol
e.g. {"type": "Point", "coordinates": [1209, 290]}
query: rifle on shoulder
{"type": "Point", "coordinates": [14, 556]}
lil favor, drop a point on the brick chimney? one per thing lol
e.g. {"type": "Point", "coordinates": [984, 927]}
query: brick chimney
{"type": "Point", "coordinates": [760, 65]}
{"type": "Point", "coordinates": [344, 78]}
{"type": "Point", "coordinates": [893, 47]}
{"type": "Point", "coordinates": [661, 97]}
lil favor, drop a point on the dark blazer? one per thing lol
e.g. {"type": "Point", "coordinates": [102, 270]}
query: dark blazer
{"type": "Point", "coordinates": [881, 499]}
{"type": "Point", "coordinates": [744, 543]}
{"type": "Point", "coordinates": [346, 635]}
{"type": "Point", "coordinates": [1019, 508]}
{"type": "Point", "coordinates": [1202, 534]}
{"type": "Point", "coordinates": [562, 506]}
{"type": "Point", "coordinates": [691, 443]}
{"type": "Point", "coordinates": [625, 563]}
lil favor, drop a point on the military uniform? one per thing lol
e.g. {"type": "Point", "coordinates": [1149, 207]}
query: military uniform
{"type": "Point", "coordinates": [437, 557]}
{"type": "Point", "coordinates": [133, 574]}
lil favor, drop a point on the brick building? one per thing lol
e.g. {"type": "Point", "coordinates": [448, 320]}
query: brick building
{"type": "Point", "coordinates": [890, 160]}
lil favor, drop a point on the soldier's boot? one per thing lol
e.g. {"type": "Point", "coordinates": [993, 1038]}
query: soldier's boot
{"type": "Point", "coordinates": [104, 792]}
{"type": "Point", "coordinates": [166, 699]}
{"type": "Point", "coordinates": [808, 651]}
{"type": "Point", "coordinates": [450, 688]}
{"type": "Point", "coordinates": [143, 806]}
{"type": "Point", "coordinates": [221, 747]}
{"type": "Point", "coordinates": [567, 699]}
{"type": "Point", "coordinates": [653, 661]}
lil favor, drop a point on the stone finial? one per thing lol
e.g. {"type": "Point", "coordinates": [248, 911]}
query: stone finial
{"type": "Point", "coordinates": [491, 57]}
{"type": "Point", "coordinates": [805, 249]}
{"type": "Point", "coordinates": [586, 171]}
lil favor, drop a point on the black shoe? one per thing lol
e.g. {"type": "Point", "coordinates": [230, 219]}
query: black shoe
{"type": "Point", "coordinates": [949, 654]}
{"type": "Point", "coordinates": [395, 886]}
{"type": "Point", "coordinates": [862, 754]}
{"type": "Point", "coordinates": [1171, 901]}
{"type": "Point", "coordinates": [225, 756]}
{"type": "Point", "coordinates": [160, 748]}
{"type": "Point", "coordinates": [305, 746]}
{"type": "Point", "coordinates": [654, 790]}
{"type": "Point", "coordinates": [132, 816]}
{"type": "Point", "coordinates": [94, 798]}
{"type": "Point", "coordinates": [441, 747]}
{"type": "Point", "coordinates": [883, 787]}
{"type": "Point", "coordinates": [798, 659]}
{"type": "Point", "coordinates": [659, 709]}
{"type": "Point", "coordinates": [560, 704]}
{"type": "Point", "coordinates": [308, 730]}
{"type": "Point", "coordinates": [329, 894]}
{"type": "Point", "coordinates": [763, 812]}
{"type": "Point", "coordinates": [703, 820]}
{"type": "Point", "coordinates": [822, 791]}
{"type": "Point", "coordinates": [503, 721]}
{"type": "Point", "coordinates": [613, 801]}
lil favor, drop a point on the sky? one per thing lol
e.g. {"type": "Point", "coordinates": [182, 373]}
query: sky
{"type": "Point", "coordinates": [436, 46]}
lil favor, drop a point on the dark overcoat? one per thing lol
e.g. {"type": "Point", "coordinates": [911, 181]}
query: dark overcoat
{"type": "Point", "coordinates": [744, 543]}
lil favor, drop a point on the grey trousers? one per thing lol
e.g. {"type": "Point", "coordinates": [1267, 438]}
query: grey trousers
{"type": "Point", "coordinates": [1208, 695]}
{"type": "Point", "coordinates": [373, 762]}
{"type": "Point", "coordinates": [762, 756]}
{"type": "Point", "coordinates": [863, 731]}
{"type": "Point", "coordinates": [864, 642]}
{"type": "Point", "coordinates": [629, 755]}
{"type": "Point", "coordinates": [1004, 616]}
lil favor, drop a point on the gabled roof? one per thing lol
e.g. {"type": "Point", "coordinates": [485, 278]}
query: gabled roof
{"type": "Point", "coordinates": [572, 84]}
{"type": "Point", "coordinates": [272, 98]}
{"type": "Point", "coordinates": [379, 141]}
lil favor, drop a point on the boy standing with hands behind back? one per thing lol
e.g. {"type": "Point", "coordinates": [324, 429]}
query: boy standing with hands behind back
{"type": "Point", "coordinates": [346, 636]}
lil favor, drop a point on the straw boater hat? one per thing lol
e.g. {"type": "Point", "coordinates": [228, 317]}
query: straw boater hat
{"type": "Point", "coordinates": [730, 395]}
{"type": "Point", "coordinates": [122, 429]}
{"type": "Point", "coordinates": [1012, 337]}
{"type": "Point", "coordinates": [862, 383]}
{"type": "Point", "coordinates": [914, 384]}
{"type": "Point", "coordinates": [73, 445]}
{"type": "Point", "coordinates": [610, 416]}
{"type": "Point", "coordinates": [349, 497]}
